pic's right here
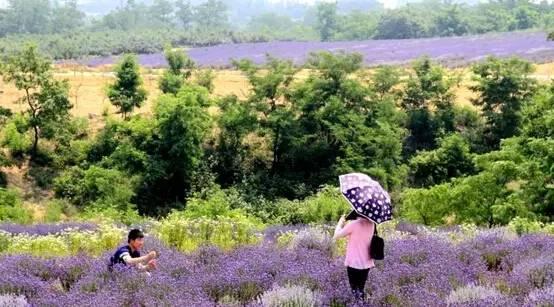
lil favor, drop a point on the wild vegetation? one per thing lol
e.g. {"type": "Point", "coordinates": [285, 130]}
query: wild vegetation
{"type": "Point", "coordinates": [238, 192]}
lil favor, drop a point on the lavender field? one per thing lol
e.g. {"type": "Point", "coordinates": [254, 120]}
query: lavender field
{"type": "Point", "coordinates": [302, 267]}
{"type": "Point", "coordinates": [449, 51]}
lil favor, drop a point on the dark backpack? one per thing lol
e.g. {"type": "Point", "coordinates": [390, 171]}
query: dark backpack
{"type": "Point", "coordinates": [377, 246]}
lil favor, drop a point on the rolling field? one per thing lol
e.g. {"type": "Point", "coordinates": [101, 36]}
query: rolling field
{"type": "Point", "coordinates": [448, 51]}
{"type": "Point", "coordinates": [88, 85]}
{"type": "Point", "coordinates": [87, 92]}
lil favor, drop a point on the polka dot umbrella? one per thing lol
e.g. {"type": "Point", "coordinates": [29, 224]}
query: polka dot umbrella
{"type": "Point", "coordinates": [366, 196]}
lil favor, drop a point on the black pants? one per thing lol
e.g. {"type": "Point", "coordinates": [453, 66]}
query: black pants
{"type": "Point", "coordinates": [357, 279]}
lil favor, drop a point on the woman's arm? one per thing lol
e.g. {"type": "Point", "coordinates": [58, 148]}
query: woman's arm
{"type": "Point", "coordinates": [339, 230]}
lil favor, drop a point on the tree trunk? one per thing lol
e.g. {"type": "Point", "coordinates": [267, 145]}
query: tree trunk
{"type": "Point", "coordinates": [276, 157]}
{"type": "Point", "coordinates": [35, 127]}
{"type": "Point", "coordinates": [35, 143]}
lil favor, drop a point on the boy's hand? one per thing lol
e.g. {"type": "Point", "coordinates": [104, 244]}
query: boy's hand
{"type": "Point", "coordinates": [152, 255]}
{"type": "Point", "coordinates": [342, 219]}
{"type": "Point", "coordinates": [152, 264]}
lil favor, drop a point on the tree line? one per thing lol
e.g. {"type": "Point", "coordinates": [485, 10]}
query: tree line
{"type": "Point", "coordinates": [487, 163]}
{"type": "Point", "coordinates": [63, 31]}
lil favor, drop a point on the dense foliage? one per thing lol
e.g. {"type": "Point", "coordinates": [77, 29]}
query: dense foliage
{"type": "Point", "coordinates": [291, 136]}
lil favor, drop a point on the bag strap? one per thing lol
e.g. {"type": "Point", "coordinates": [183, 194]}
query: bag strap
{"type": "Point", "coordinates": [375, 232]}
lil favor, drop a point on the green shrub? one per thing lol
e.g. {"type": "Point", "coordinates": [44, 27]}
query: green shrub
{"type": "Point", "coordinates": [54, 210]}
{"type": "Point", "coordinates": [171, 83]}
{"type": "Point", "coordinates": [97, 187]}
{"type": "Point", "coordinates": [205, 78]}
{"type": "Point", "coordinates": [15, 137]}
{"type": "Point", "coordinates": [216, 204]}
{"type": "Point", "coordinates": [524, 225]}
{"type": "Point", "coordinates": [111, 215]}
{"type": "Point", "coordinates": [326, 206]}
{"type": "Point", "coordinates": [66, 243]}
{"type": "Point", "coordinates": [11, 208]}
{"type": "Point", "coordinates": [43, 176]}
{"type": "Point", "coordinates": [187, 234]}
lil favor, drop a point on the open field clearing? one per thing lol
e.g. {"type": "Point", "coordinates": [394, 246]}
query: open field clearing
{"type": "Point", "coordinates": [88, 85]}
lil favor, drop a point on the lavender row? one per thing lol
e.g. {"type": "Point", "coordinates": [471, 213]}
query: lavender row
{"type": "Point", "coordinates": [490, 270]}
{"type": "Point", "coordinates": [450, 51]}
{"type": "Point", "coordinates": [46, 229]}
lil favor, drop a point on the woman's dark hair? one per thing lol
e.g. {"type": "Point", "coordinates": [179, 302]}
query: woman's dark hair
{"type": "Point", "coordinates": [134, 234]}
{"type": "Point", "coordinates": [352, 215]}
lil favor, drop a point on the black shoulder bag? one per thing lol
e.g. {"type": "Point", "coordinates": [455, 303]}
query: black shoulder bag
{"type": "Point", "coordinates": [377, 246]}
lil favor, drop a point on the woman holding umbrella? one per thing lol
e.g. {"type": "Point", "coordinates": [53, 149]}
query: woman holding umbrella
{"type": "Point", "coordinates": [357, 261]}
{"type": "Point", "coordinates": [370, 206]}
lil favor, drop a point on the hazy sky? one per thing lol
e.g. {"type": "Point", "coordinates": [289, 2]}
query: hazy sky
{"type": "Point", "coordinates": [387, 3]}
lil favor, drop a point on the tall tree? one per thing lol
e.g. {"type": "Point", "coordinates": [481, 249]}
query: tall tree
{"type": "Point", "coordinates": [66, 17]}
{"type": "Point", "coordinates": [384, 79]}
{"type": "Point", "coordinates": [327, 20]}
{"type": "Point", "coordinates": [180, 70]}
{"type": "Point", "coordinates": [503, 87]}
{"type": "Point", "coordinates": [182, 123]}
{"type": "Point", "coordinates": [212, 15]}
{"type": "Point", "coordinates": [269, 90]}
{"type": "Point", "coordinates": [162, 11]}
{"type": "Point", "coordinates": [399, 24]}
{"type": "Point", "coordinates": [341, 128]}
{"type": "Point", "coordinates": [31, 16]}
{"type": "Point", "coordinates": [427, 98]}
{"type": "Point", "coordinates": [184, 13]}
{"type": "Point", "coordinates": [450, 22]}
{"type": "Point", "coordinates": [127, 93]}
{"type": "Point", "coordinates": [46, 98]}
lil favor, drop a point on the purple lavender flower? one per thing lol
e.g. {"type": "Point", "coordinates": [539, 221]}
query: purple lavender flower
{"type": "Point", "coordinates": [450, 51]}
{"type": "Point", "coordinates": [416, 271]}
{"type": "Point", "coordinates": [540, 298]}
{"type": "Point", "coordinates": [45, 229]}
{"type": "Point", "coordinates": [10, 300]}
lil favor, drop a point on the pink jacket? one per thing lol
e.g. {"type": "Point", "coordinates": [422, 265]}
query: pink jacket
{"type": "Point", "coordinates": [359, 233]}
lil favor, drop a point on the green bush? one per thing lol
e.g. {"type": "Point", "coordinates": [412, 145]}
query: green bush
{"type": "Point", "coordinates": [14, 136]}
{"type": "Point", "coordinates": [66, 243]}
{"type": "Point", "coordinates": [187, 234]}
{"type": "Point", "coordinates": [451, 159]}
{"type": "Point", "coordinates": [205, 78]}
{"type": "Point", "coordinates": [324, 207]}
{"type": "Point", "coordinates": [43, 176]}
{"type": "Point", "coordinates": [71, 154]}
{"type": "Point", "coordinates": [522, 225]}
{"type": "Point", "coordinates": [218, 203]}
{"type": "Point", "coordinates": [40, 246]}
{"type": "Point", "coordinates": [54, 210]}
{"type": "Point", "coordinates": [11, 208]}
{"type": "Point", "coordinates": [97, 187]}
{"type": "Point", "coordinates": [112, 215]}
{"type": "Point", "coordinates": [171, 83]}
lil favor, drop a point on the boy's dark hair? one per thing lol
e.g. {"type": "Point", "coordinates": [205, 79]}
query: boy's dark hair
{"type": "Point", "coordinates": [134, 234]}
